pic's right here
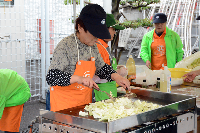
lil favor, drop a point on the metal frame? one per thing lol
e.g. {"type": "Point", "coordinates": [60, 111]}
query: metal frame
{"type": "Point", "coordinates": [23, 28]}
{"type": "Point", "coordinates": [181, 19]}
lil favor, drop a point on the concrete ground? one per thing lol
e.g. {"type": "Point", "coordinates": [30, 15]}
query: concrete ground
{"type": "Point", "coordinates": [31, 109]}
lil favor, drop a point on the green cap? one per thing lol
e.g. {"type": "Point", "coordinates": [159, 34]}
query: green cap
{"type": "Point", "coordinates": [110, 22]}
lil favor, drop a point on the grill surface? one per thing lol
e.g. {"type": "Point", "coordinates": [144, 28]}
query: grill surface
{"type": "Point", "coordinates": [171, 104]}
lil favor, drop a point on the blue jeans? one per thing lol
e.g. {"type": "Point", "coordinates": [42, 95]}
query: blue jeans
{"type": "Point", "coordinates": [48, 100]}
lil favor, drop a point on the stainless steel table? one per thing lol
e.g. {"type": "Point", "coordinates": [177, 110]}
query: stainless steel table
{"type": "Point", "coordinates": [189, 89]}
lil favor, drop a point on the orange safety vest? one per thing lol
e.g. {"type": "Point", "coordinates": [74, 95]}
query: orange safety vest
{"type": "Point", "coordinates": [158, 54]}
{"type": "Point", "coordinates": [11, 118]}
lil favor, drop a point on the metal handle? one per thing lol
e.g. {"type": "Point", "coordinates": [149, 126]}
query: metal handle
{"type": "Point", "coordinates": [104, 92]}
{"type": "Point", "coordinates": [96, 88]}
{"type": "Point", "coordinates": [127, 91]}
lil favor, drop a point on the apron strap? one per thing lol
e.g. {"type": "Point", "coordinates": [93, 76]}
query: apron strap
{"type": "Point", "coordinates": [108, 51]}
{"type": "Point", "coordinates": [78, 49]}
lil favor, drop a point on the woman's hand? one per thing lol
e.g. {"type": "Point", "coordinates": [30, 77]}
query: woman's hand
{"type": "Point", "coordinates": [86, 81]}
{"type": "Point", "coordinates": [121, 81]}
{"type": "Point", "coordinates": [148, 64]}
{"type": "Point", "coordinates": [189, 77]}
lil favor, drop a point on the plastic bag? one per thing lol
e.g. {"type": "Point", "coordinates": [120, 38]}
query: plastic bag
{"type": "Point", "coordinates": [188, 60]}
{"type": "Point", "coordinates": [140, 73]}
{"type": "Point", "coordinates": [122, 70]}
{"type": "Point", "coordinates": [143, 72]}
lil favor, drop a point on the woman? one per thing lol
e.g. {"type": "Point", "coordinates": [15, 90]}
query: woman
{"type": "Point", "coordinates": [14, 92]}
{"type": "Point", "coordinates": [104, 50]}
{"type": "Point", "coordinates": [76, 59]}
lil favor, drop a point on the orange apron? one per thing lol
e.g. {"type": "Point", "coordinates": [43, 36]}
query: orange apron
{"type": "Point", "coordinates": [103, 51]}
{"type": "Point", "coordinates": [108, 86]}
{"type": "Point", "coordinates": [158, 54]}
{"type": "Point", "coordinates": [11, 118]}
{"type": "Point", "coordinates": [63, 97]}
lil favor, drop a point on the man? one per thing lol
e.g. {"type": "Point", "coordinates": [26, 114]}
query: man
{"type": "Point", "coordinates": [14, 92]}
{"type": "Point", "coordinates": [161, 45]}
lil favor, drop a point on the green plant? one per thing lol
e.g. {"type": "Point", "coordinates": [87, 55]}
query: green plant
{"type": "Point", "coordinates": [137, 3]}
{"type": "Point", "coordinates": [72, 18]}
{"type": "Point", "coordinates": [137, 23]}
{"type": "Point", "coordinates": [66, 2]}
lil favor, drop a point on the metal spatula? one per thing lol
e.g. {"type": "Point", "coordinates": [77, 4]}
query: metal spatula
{"type": "Point", "coordinates": [105, 92]}
{"type": "Point", "coordinates": [130, 94]}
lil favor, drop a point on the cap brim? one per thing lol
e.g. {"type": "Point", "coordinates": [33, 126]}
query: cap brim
{"type": "Point", "coordinates": [118, 27]}
{"type": "Point", "coordinates": [99, 31]}
{"type": "Point", "coordinates": [198, 18]}
{"type": "Point", "coordinates": [159, 21]}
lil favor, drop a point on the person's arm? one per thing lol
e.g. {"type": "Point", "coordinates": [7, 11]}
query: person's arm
{"type": "Point", "coordinates": [144, 52]}
{"type": "Point", "coordinates": [179, 48]}
{"type": "Point", "coordinates": [57, 77]}
{"type": "Point", "coordinates": [189, 77]}
{"type": "Point", "coordinates": [56, 74]}
{"type": "Point", "coordinates": [106, 72]}
{"type": "Point", "coordinates": [86, 81]}
{"type": "Point", "coordinates": [148, 64]}
{"type": "Point", "coordinates": [121, 81]}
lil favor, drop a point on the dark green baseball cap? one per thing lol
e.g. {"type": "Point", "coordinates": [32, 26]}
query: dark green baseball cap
{"type": "Point", "coordinates": [110, 22]}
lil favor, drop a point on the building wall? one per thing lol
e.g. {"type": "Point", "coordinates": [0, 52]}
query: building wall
{"type": "Point", "coordinates": [12, 41]}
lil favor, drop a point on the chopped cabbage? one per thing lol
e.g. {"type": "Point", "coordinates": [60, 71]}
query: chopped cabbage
{"type": "Point", "coordinates": [122, 107]}
{"type": "Point", "coordinates": [81, 113]}
{"type": "Point", "coordinates": [194, 64]}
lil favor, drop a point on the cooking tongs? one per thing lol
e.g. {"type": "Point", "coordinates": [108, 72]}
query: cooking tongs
{"type": "Point", "coordinates": [113, 99]}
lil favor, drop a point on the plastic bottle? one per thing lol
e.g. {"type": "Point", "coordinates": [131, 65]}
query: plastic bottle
{"type": "Point", "coordinates": [130, 65]}
{"type": "Point", "coordinates": [133, 82]}
{"type": "Point", "coordinates": [144, 84]}
{"type": "Point", "coordinates": [165, 83]}
{"type": "Point", "coordinates": [158, 84]}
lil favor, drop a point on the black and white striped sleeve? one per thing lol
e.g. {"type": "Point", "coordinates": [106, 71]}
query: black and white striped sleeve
{"type": "Point", "coordinates": [57, 77]}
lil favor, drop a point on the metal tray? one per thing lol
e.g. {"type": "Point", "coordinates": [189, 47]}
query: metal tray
{"type": "Point", "coordinates": [171, 104]}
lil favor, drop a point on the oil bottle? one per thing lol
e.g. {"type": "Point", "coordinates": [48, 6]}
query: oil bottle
{"type": "Point", "coordinates": [165, 82]}
{"type": "Point", "coordinates": [130, 65]}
